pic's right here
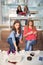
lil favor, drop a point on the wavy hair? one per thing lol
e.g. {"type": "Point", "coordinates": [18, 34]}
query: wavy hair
{"type": "Point", "coordinates": [13, 27]}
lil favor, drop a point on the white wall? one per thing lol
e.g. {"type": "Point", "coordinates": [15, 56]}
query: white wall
{"type": "Point", "coordinates": [34, 3]}
{"type": "Point", "coordinates": [0, 13]}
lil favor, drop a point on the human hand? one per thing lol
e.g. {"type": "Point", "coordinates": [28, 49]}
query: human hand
{"type": "Point", "coordinates": [34, 32]}
{"type": "Point", "coordinates": [16, 48]}
{"type": "Point", "coordinates": [30, 33]}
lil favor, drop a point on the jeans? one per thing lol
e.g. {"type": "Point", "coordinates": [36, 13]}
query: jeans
{"type": "Point", "coordinates": [11, 44]}
{"type": "Point", "coordinates": [29, 45]}
{"type": "Point", "coordinates": [12, 47]}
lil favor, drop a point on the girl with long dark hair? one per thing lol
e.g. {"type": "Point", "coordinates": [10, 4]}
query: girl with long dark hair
{"type": "Point", "coordinates": [15, 37]}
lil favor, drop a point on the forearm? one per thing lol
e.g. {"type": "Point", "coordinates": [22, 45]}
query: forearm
{"type": "Point", "coordinates": [21, 41]}
{"type": "Point", "coordinates": [15, 46]}
{"type": "Point", "coordinates": [27, 34]}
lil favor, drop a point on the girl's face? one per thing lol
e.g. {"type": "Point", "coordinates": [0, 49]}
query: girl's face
{"type": "Point", "coordinates": [17, 25]}
{"type": "Point", "coordinates": [19, 7]}
{"type": "Point", "coordinates": [30, 23]}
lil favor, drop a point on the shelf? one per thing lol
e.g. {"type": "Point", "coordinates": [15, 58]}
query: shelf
{"type": "Point", "coordinates": [16, 4]}
{"type": "Point", "coordinates": [33, 12]}
{"type": "Point", "coordinates": [4, 26]}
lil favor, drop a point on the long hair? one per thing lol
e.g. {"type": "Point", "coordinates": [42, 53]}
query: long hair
{"type": "Point", "coordinates": [31, 21]}
{"type": "Point", "coordinates": [18, 8]}
{"type": "Point", "coordinates": [33, 27]}
{"type": "Point", "coordinates": [13, 27]}
{"type": "Point", "coordinates": [26, 9]}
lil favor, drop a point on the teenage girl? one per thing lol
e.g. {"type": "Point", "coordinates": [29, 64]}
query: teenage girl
{"type": "Point", "coordinates": [26, 10]}
{"type": "Point", "coordinates": [19, 9]}
{"type": "Point", "coordinates": [15, 37]}
{"type": "Point", "coordinates": [30, 34]}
